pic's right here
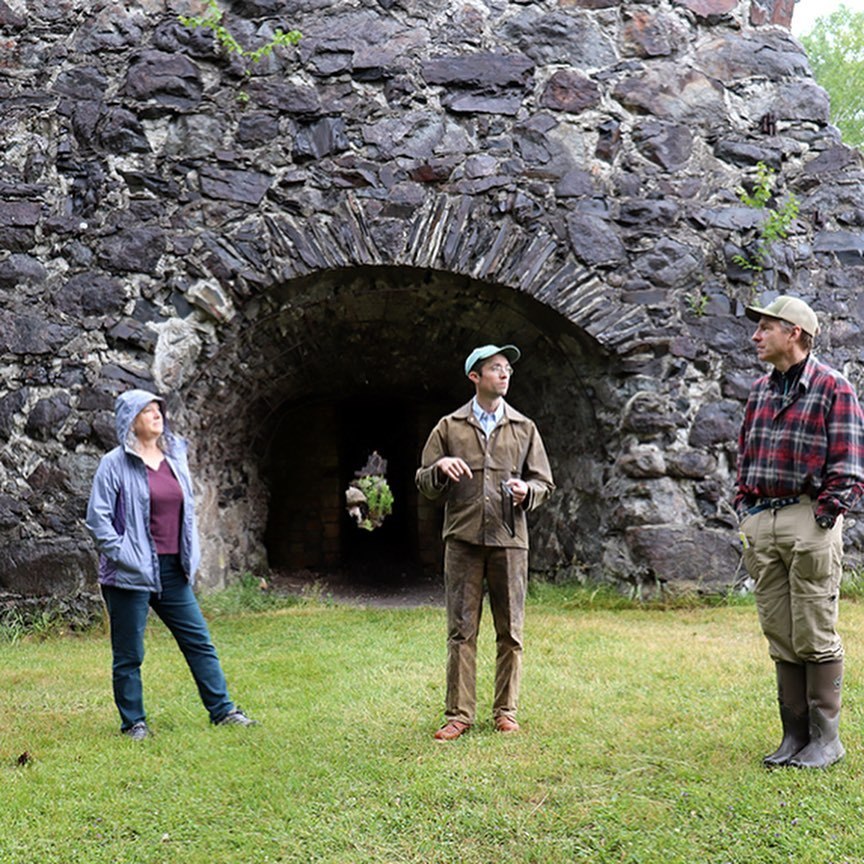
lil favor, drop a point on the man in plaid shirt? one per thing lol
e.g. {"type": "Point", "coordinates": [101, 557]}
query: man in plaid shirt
{"type": "Point", "coordinates": [800, 468]}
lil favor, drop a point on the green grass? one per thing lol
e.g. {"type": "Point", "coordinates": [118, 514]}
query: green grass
{"type": "Point", "coordinates": [643, 735]}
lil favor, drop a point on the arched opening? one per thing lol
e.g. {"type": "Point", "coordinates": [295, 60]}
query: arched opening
{"type": "Point", "coordinates": [315, 450]}
{"type": "Point", "coordinates": [312, 378]}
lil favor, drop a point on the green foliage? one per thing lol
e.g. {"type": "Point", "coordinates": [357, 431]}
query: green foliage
{"type": "Point", "coordinates": [697, 303]}
{"type": "Point", "coordinates": [835, 47]}
{"type": "Point", "coordinates": [378, 497]}
{"type": "Point", "coordinates": [212, 20]}
{"type": "Point", "coordinates": [852, 584]}
{"type": "Point", "coordinates": [252, 594]}
{"type": "Point", "coordinates": [776, 223]}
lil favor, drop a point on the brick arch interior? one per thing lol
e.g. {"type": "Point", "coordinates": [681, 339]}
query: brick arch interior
{"type": "Point", "coordinates": [308, 380]}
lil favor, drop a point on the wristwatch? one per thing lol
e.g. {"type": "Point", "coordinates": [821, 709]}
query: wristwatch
{"type": "Point", "coordinates": [826, 521]}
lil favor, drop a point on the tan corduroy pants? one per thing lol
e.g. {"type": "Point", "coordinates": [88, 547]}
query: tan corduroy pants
{"type": "Point", "coordinates": [796, 566]}
{"type": "Point", "coordinates": [505, 572]}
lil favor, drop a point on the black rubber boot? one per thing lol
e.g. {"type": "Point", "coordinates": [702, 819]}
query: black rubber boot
{"type": "Point", "coordinates": [824, 684]}
{"type": "Point", "coordinates": [792, 696]}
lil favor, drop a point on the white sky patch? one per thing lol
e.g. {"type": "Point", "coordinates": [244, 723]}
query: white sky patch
{"type": "Point", "coordinates": [807, 11]}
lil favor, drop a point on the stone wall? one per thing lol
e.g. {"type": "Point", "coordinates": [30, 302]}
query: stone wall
{"type": "Point", "coordinates": [338, 225]}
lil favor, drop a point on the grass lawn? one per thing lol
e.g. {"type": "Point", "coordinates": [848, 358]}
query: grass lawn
{"type": "Point", "coordinates": [643, 734]}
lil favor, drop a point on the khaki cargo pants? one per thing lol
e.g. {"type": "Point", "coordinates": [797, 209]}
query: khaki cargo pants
{"type": "Point", "coordinates": [505, 572]}
{"type": "Point", "coordinates": [797, 567]}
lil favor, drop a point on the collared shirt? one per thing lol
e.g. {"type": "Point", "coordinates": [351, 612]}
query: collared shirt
{"type": "Point", "coordinates": [807, 441]}
{"type": "Point", "coordinates": [488, 421]}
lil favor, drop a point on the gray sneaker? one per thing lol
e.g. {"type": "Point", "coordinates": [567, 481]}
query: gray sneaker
{"type": "Point", "coordinates": [237, 718]}
{"type": "Point", "coordinates": [137, 732]}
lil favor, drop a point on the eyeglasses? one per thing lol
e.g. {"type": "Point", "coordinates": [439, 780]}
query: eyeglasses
{"type": "Point", "coordinates": [498, 369]}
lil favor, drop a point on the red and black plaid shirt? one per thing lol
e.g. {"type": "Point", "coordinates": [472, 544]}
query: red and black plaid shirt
{"type": "Point", "coordinates": [809, 441]}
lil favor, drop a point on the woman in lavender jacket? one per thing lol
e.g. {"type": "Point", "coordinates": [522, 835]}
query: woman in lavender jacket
{"type": "Point", "coordinates": [141, 514]}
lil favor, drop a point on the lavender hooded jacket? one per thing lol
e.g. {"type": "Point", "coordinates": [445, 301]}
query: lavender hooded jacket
{"type": "Point", "coordinates": [118, 513]}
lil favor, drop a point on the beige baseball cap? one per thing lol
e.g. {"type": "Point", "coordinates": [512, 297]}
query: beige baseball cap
{"type": "Point", "coordinates": [791, 309]}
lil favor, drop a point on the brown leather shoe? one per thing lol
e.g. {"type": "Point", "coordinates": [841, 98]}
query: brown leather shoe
{"type": "Point", "coordinates": [451, 731]}
{"type": "Point", "coordinates": [506, 724]}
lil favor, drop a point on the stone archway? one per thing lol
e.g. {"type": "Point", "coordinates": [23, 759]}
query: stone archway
{"type": "Point", "coordinates": [298, 391]}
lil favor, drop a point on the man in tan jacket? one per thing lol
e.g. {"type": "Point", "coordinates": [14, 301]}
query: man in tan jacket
{"type": "Point", "coordinates": [488, 463]}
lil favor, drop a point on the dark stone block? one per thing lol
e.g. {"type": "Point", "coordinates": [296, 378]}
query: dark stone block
{"type": "Point", "coordinates": [561, 36]}
{"type": "Point", "coordinates": [673, 93]}
{"type": "Point", "coordinates": [136, 250]}
{"type": "Point", "coordinates": [848, 246]}
{"type": "Point", "coordinates": [81, 83]}
{"type": "Point", "coordinates": [594, 240]}
{"type": "Point", "coordinates": [91, 293]}
{"type": "Point", "coordinates": [120, 131]}
{"type": "Point", "coordinates": [90, 399]}
{"type": "Point", "coordinates": [10, 19]}
{"type": "Point", "coordinates": [172, 37]}
{"type": "Point", "coordinates": [22, 333]}
{"type": "Point", "coordinates": [833, 160]}
{"type": "Point", "coordinates": [12, 511]}
{"type": "Point", "coordinates": [19, 269]}
{"type": "Point", "coordinates": [257, 129]}
{"type": "Point", "coordinates": [575, 184]}
{"type": "Point", "coordinates": [46, 477]}
{"type": "Point", "coordinates": [246, 187]}
{"type": "Point", "coordinates": [736, 385]}
{"type": "Point", "coordinates": [104, 430]}
{"type": "Point", "coordinates": [771, 54]}
{"type": "Point", "coordinates": [17, 214]}
{"type": "Point", "coordinates": [667, 144]}
{"type": "Point", "coordinates": [171, 80]}
{"type": "Point", "coordinates": [747, 153]}
{"type": "Point", "coordinates": [17, 239]}
{"type": "Point", "coordinates": [772, 12]}
{"type": "Point", "coordinates": [690, 464]}
{"type": "Point", "coordinates": [141, 378]}
{"type": "Point", "coordinates": [47, 416]}
{"type": "Point", "coordinates": [647, 212]}
{"type": "Point", "coordinates": [10, 405]}
{"type": "Point", "coordinates": [570, 91]}
{"type": "Point", "coordinates": [484, 70]}
{"type": "Point", "coordinates": [670, 263]}
{"type": "Point", "coordinates": [40, 568]}
{"type": "Point", "coordinates": [652, 34]}
{"type": "Point", "coordinates": [608, 140]}
{"type": "Point", "coordinates": [711, 11]}
{"type": "Point", "coordinates": [686, 556]}
{"type": "Point", "coordinates": [479, 103]}
{"type": "Point", "coordinates": [129, 332]}
{"type": "Point", "coordinates": [716, 423]}
{"type": "Point", "coordinates": [320, 138]}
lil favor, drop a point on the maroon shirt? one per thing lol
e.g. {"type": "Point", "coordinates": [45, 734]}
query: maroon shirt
{"type": "Point", "coordinates": [166, 509]}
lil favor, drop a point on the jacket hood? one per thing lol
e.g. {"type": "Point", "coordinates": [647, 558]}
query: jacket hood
{"type": "Point", "coordinates": [127, 408]}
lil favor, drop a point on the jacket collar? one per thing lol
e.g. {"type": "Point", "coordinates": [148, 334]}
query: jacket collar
{"type": "Point", "coordinates": [510, 413]}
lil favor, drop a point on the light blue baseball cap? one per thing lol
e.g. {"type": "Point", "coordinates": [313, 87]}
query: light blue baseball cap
{"type": "Point", "coordinates": [511, 352]}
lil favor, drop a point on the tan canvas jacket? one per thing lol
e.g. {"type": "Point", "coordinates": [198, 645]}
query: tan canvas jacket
{"type": "Point", "coordinates": [473, 509]}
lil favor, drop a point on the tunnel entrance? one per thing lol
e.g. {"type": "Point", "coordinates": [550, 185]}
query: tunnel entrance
{"type": "Point", "coordinates": [315, 451]}
{"type": "Point", "coordinates": [314, 376]}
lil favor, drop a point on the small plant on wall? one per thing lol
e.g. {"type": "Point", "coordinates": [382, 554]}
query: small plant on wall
{"type": "Point", "coordinates": [211, 20]}
{"type": "Point", "coordinates": [773, 226]}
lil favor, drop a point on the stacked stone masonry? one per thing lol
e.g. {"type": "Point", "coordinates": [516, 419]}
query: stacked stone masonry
{"type": "Point", "coordinates": [300, 251]}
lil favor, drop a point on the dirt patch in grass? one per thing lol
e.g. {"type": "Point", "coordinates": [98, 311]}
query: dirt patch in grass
{"type": "Point", "coordinates": [381, 587]}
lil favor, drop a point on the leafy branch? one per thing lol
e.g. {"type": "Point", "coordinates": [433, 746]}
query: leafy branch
{"type": "Point", "coordinates": [776, 224]}
{"type": "Point", "coordinates": [212, 20]}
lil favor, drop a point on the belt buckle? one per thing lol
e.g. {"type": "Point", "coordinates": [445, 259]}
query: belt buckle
{"type": "Point", "coordinates": [776, 504]}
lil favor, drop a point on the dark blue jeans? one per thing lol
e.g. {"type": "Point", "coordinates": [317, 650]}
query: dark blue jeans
{"type": "Point", "coordinates": [179, 610]}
